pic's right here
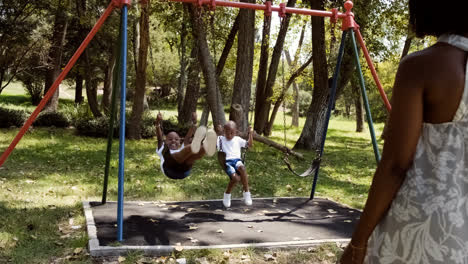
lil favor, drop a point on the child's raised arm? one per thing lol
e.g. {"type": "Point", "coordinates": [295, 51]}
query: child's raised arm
{"type": "Point", "coordinates": [159, 133]}
{"type": "Point", "coordinates": [250, 137]}
{"type": "Point", "coordinates": [191, 130]}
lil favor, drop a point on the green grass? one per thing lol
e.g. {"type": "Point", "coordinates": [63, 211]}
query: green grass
{"type": "Point", "coordinates": [51, 171]}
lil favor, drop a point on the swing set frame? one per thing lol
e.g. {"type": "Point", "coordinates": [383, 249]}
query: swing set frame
{"type": "Point", "coordinates": [349, 26]}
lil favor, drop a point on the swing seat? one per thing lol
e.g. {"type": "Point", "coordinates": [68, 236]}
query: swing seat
{"type": "Point", "coordinates": [311, 170]}
{"type": "Point", "coordinates": [222, 157]}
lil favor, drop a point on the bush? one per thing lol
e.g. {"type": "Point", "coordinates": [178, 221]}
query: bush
{"type": "Point", "coordinates": [12, 117]}
{"type": "Point", "coordinates": [100, 127]}
{"type": "Point", "coordinates": [57, 119]}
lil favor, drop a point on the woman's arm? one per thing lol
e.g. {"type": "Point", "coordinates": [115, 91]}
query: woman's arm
{"type": "Point", "coordinates": [191, 131]}
{"type": "Point", "coordinates": [405, 127]}
{"type": "Point", "coordinates": [159, 133]}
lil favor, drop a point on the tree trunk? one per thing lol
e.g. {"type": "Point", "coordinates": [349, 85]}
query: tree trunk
{"type": "Point", "coordinates": [91, 87]}
{"type": "Point", "coordinates": [358, 104]}
{"type": "Point", "coordinates": [275, 59]}
{"type": "Point", "coordinates": [183, 64]}
{"type": "Point", "coordinates": [205, 115]}
{"type": "Point", "coordinates": [295, 106]}
{"type": "Point", "coordinates": [193, 88]}
{"type": "Point", "coordinates": [54, 60]}
{"type": "Point", "coordinates": [284, 90]}
{"type": "Point", "coordinates": [311, 135]}
{"type": "Point", "coordinates": [260, 117]}
{"type": "Point", "coordinates": [79, 87]}
{"type": "Point", "coordinates": [107, 88]}
{"type": "Point", "coordinates": [134, 130]}
{"type": "Point", "coordinates": [244, 65]}
{"type": "Point", "coordinates": [209, 72]}
{"type": "Point", "coordinates": [227, 46]}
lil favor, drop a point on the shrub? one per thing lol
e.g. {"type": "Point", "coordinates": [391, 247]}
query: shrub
{"type": "Point", "coordinates": [12, 117]}
{"type": "Point", "coordinates": [100, 127]}
{"type": "Point", "coordinates": [49, 118]}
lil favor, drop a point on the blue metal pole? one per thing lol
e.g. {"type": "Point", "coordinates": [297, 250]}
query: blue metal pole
{"type": "Point", "coordinates": [366, 101]}
{"type": "Point", "coordinates": [331, 101]}
{"type": "Point", "coordinates": [123, 65]}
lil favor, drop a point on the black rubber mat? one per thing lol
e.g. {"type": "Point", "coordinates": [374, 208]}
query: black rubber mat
{"type": "Point", "coordinates": [205, 223]}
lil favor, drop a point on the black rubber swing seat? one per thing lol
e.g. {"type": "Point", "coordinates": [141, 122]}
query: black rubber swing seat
{"type": "Point", "coordinates": [311, 170]}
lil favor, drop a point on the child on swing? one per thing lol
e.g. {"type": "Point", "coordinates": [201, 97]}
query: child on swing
{"type": "Point", "coordinates": [176, 159]}
{"type": "Point", "coordinates": [235, 169]}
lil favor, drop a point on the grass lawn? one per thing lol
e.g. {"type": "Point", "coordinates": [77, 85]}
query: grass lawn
{"type": "Point", "coordinates": [52, 170]}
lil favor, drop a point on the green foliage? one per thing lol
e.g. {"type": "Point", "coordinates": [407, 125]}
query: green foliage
{"type": "Point", "coordinates": [12, 117]}
{"type": "Point", "coordinates": [57, 119]}
{"type": "Point", "coordinates": [305, 98]}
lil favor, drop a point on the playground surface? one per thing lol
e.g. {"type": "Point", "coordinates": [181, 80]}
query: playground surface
{"type": "Point", "coordinates": [158, 228]}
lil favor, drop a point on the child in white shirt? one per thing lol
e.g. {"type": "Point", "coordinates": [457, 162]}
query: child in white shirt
{"type": "Point", "coordinates": [235, 169]}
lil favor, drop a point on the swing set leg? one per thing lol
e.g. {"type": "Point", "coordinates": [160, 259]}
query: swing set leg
{"type": "Point", "coordinates": [331, 101]}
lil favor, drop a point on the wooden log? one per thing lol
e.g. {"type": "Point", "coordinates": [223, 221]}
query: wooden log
{"type": "Point", "coordinates": [273, 144]}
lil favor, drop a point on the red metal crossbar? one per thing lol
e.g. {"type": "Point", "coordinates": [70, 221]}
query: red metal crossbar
{"type": "Point", "coordinates": [267, 7]}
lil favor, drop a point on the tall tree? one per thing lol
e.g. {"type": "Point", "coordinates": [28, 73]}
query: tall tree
{"type": "Point", "coordinates": [19, 20]}
{"type": "Point", "coordinates": [134, 130]}
{"type": "Point", "coordinates": [260, 118]}
{"type": "Point", "coordinates": [54, 61]}
{"type": "Point", "coordinates": [311, 134]}
{"type": "Point", "coordinates": [244, 64]}
{"type": "Point", "coordinates": [208, 68]}
{"type": "Point", "coordinates": [264, 103]}
{"type": "Point", "coordinates": [193, 87]}
{"type": "Point", "coordinates": [183, 62]}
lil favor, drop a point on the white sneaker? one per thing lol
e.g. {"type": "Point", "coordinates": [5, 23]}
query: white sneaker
{"type": "Point", "coordinates": [209, 144]}
{"type": "Point", "coordinates": [247, 198]}
{"type": "Point", "coordinates": [197, 139]}
{"type": "Point", "coordinates": [227, 200]}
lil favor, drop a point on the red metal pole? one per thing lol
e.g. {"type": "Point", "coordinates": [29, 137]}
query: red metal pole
{"type": "Point", "coordinates": [372, 68]}
{"type": "Point", "coordinates": [291, 10]}
{"type": "Point", "coordinates": [57, 82]}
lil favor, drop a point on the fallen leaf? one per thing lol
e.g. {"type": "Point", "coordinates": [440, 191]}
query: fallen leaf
{"type": "Point", "coordinates": [269, 257]}
{"type": "Point", "coordinates": [329, 216]}
{"type": "Point", "coordinates": [330, 254]}
{"type": "Point", "coordinates": [246, 210]}
{"type": "Point", "coordinates": [76, 227]}
{"type": "Point", "coordinates": [347, 221]}
{"type": "Point", "coordinates": [275, 200]}
{"type": "Point", "coordinates": [141, 204]}
{"type": "Point", "coordinates": [218, 210]}
{"type": "Point", "coordinates": [193, 227]}
{"type": "Point", "coordinates": [265, 211]}
{"type": "Point", "coordinates": [250, 226]}
{"type": "Point", "coordinates": [191, 209]}
{"type": "Point", "coordinates": [220, 231]}
{"type": "Point", "coordinates": [77, 251]}
{"type": "Point", "coordinates": [194, 240]}
{"type": "Point", "coordinates": [288, 187]}
{"type": "Point", "coordinates": [121, 259]}
{"type": "Point", "coordinates": [173, 206]}
{"type": "Point", "coordinates": [71, 221]}
{"type": "Point", "coordinates": [178, 248]}
{"type": "Point", "coordinates": [30, 181]}
{"type": "Point", "coordinates": [259, 231]}
{"type": "Point", "coordinates": [58, 243]}
{"type": "Point", "coordinates": [299, 189]}
{"type": "Point", "coordinates": [154, 220]}
{"type": "Point", "coordinates": [331, 211]}
{"type": "Point", "coordinates": [282, 211]}
{"type": "Point", "coordinates": [33, 237]}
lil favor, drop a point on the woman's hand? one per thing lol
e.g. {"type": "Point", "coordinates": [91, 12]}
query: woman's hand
{"type": "Point", "coordinates": [353, 255]}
